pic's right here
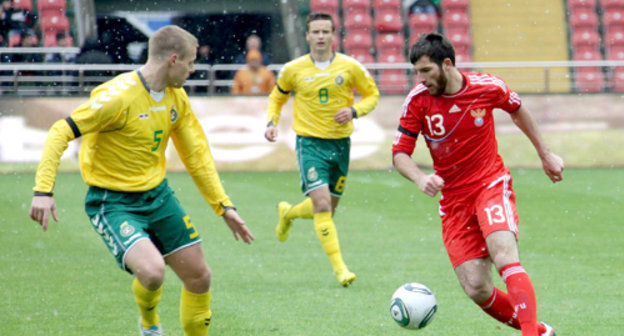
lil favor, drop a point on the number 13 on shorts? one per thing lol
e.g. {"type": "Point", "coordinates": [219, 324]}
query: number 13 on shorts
{"type": "Point", "coordinates": [496, 209]}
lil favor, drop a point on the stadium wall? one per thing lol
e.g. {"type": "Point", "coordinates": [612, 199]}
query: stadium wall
{"type": "Point", "coordinates": [585, 129]}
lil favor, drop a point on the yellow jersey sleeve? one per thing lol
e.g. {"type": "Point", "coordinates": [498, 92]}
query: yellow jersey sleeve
{"type": "Point", "coordinates": [282, 89]}
{"type": "Point", "coordinates": [88, 117]}
{"type": "Point", "coordinates": [365, 86]}
{"type": "Point", "coordinates": [192, 146]}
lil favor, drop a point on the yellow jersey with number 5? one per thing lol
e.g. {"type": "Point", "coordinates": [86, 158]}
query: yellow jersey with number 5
{"type": "Point", "coordinates": [321, 93]}
{"type": "Point", "coordinates": [126, 128]}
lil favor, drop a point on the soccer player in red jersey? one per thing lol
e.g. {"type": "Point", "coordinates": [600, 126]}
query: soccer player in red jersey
{"type": "Point", "coordinates": [453, 112]}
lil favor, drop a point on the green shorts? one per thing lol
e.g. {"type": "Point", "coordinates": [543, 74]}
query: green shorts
{"type": "Point", "coordinates": [124, 218]}
{"type": "Point", "coordinates": [323, 162]}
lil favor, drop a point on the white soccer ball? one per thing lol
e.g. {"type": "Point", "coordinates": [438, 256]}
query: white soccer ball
{"type": "Point", "coordinates": [413, 306]}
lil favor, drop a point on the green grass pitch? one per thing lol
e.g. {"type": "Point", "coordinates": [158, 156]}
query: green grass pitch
{"type": "Point", "coordinates": [64, 282]}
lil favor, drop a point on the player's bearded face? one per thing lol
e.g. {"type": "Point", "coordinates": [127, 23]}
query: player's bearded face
{"type": "Point", "coordinates": [431, 75]}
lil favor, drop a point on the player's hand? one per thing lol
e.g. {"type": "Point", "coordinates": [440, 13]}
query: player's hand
{"type": "Point", "coordinates": [344, 115]}
{"type": "Point", "coordinates": [271, 133]}
{"type": "Point", "coordinates": [431, 184]}
{"type": "Point", "coordinates": [40, 209]}
{"type": "Point", "coordinates": [237, 225]}
{"type": "Point", "coordinates": [553, 166]}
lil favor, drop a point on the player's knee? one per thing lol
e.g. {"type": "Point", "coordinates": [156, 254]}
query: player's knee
{"type": "Point", "coordinates": [477, 290]}
{"type": "Point", "coordinates": [151, 275]}
{"type": "Point", "coordinates": [198, 282]}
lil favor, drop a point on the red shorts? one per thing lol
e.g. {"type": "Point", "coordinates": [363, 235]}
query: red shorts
{"type": "Point", "coordinates": [468, 218]}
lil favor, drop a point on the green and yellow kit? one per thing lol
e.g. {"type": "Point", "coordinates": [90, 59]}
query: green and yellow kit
{"type": "Point", "coordinates": [125, 130]}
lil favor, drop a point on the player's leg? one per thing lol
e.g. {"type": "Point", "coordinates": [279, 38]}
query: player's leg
{"type": "Point", "coordinates": [175, 236]}
{"type": "Point", "coordinates": [498, 219]}
{"type": "Point", "coordinates": [190, 266]}
{"type": "Point", "coordinates": [123, 232]}
{"type": "Point", "coordinates": [328, 235]}
{"type": "Point", "coordinates": [148, 266]}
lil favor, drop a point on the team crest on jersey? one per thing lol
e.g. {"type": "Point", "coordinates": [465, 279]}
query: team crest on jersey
{"type": "Point", "coordinates": [126, 229]}
{"type": "Point", "coordinates": [478, 114]}
{"type": "Point", "coordinates": [312, 175]}
{"type": "Point", "coordinates": [339, 79]}
{"type": "Point", "coordinates": [173, 114]}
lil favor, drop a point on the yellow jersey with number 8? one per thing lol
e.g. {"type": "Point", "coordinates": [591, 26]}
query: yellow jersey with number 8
{"type": "Point", "coordinates": [321, 93]}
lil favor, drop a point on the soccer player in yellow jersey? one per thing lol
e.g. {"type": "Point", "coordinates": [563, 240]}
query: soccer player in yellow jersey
{"type": "Point", "coordinates": [323, 83]}
{"type": "Point", "coordinates": [126, 125]}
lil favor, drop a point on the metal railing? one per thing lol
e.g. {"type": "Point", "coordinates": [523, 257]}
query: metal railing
{"type": "Point", "coordinates": [40, 79]}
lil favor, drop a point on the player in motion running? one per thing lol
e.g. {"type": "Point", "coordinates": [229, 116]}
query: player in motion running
{"type": "Point", "coordinates": [453, 112]}
{"type": "Point", "coordinates": [126, 125]}
{"type": "Point", "coordinates": [323, 82]}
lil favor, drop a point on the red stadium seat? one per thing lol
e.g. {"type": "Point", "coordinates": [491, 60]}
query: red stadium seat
{"type": "Point", "coordinates": [393, 82]}
{"type": "Point", "coordinates": [51, 5]}
{"type": "Point", "coordinates": [392, 41]}
{"type": "Point", "coordinates": [362, 57]}
{"type": "Point", "coordinates": [463, 58]}
{"type": "Point", "coordinates": [609, 5]}
{"type": "Point", "coordinates": [388, 20]}
{"type": "Point", "coordinates": [617, 81]}
{"type": "Point", "coordinates": [578, 4]}
{"type": "Point", "coordinates": [49, 40]}
{"type": "Point", "coordinates": [358, 20]}
{"type": "Point", "coordinates": [330, 6]}
{"type": "Point", "coordinates": [587, 54]}
{"type": "Point", "coordinates": [422, 23]}
{"type": "Point", "coordinates": [455, 19]}
{"type": "Point", "coordinates": [461, 40]}
{"type": "Point", "coordinates": [585, 38]}
{"type": "Point", "coordinates": [613, 19]}
{"type": "Point", "coordinates": [54, 23]}
{"type": "Point", "coordinates": [455, 5]}
{"type": "Point", "coordinates": [358, 39]}
{"type": "Point", "coordinates": [590, 81]}
{"type": "Point", "coordinates": [387, 4]}
{"type": "Point", "coordinates": [23, 4]}
{"type": "Point", "coordinates": [614, 37]}
{"type": "Point", "coordinates": [336, 42]}
{"type": "Point", "coordinates": [391, 56]}
{"type": "Point", "coordinates": [616, 53]}
{"type": "Point", "coordinates": [359, 5]}
{"type": "Point", "coordinates": [583, 18]}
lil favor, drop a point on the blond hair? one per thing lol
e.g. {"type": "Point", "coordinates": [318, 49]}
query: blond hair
{"type": "Point", "coordinates": [171, 40]}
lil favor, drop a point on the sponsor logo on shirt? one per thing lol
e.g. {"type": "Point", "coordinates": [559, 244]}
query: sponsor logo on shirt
{"type": "Point", "coordinates": [454, 109]}
{"type": "Point", "coordinates": [309, 79]}
{"type": "Point", "coordinates": [158, 108]}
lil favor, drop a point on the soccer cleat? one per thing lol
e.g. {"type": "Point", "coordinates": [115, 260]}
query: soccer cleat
{"type": "Point", "coordinates": [283, 225]}
{"type": "Point", "coordinates": [549, 330]}
{"type": "Point", "coordinates": [151, 331]}
{"type": "Point", "coordinates": [346, 277]}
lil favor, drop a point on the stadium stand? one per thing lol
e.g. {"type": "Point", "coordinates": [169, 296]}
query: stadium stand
{"type": "Point", "coordinates": [23, 4]}
{"type": "Point", "coordinates": [329, 6]}
{"type": "Point", "coordinates": [388, 20]}
{"type": "Point", "coordinates": [356, 5]}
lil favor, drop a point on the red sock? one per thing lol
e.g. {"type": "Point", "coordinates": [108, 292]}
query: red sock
{"type": "Point", "coordinates": [499, 307]}
{"type": "Point", "coordinates": [521, 297]}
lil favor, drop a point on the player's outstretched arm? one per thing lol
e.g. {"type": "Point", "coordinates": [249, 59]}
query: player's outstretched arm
{"type": "Point", "coordinates": [237, 225]}
{"type": "Point", "coordinates": [40, 210]}
{"type": "Point", "coordinates": [552, 163]}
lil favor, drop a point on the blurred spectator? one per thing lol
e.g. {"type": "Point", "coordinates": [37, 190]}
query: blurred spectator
{"type": "Point", "coordinates": [4, 22]}
{"type": "Point", "coordinates": [425, 6]}
{"type": "Point", "coordinates": [61, 41]}
{"type": "Point", "coordinates": [204, 55]}
{"type": "Point", "coordinates": [254, 78]}
{"type": "Point", "coordinates": [18, 21]}
{"type": "Point", "coordinates": [253, 43]}
{"type": "Point", "coordinates": [28, 41]}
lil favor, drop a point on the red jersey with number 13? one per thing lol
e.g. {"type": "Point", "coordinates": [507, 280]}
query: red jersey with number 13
{"type": "Point", "coordinates": [458, 129]}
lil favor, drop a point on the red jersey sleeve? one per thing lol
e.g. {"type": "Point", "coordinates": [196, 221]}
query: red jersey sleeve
{"type": "Point", "coordinates": [410, 125]}
{"type": "Point", "coordinates": [510, 101]}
